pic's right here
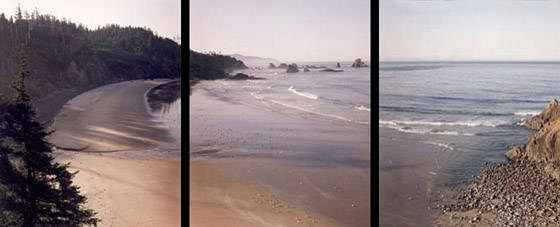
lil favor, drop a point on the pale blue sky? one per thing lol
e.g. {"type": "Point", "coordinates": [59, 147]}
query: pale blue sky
{"type": "Point", "coordinates": [287, 30]}
{"type": "Point", "coordinates": [469, 30]}
{"type": "Point", "coordinates": [162, 16]}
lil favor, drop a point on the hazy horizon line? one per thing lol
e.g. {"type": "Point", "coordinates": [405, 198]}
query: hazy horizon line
{"type": "Point", "coordinates": [469, 61]}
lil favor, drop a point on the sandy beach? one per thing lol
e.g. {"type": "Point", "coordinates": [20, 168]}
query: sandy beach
{"type": "Point", "coordinates": [275, 170]}
{"type": "Point", "coordinates": [141, 184]}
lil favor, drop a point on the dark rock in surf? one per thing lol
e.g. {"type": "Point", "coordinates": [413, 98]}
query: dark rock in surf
{"type": "Point", "coordinates": [306, 70]}
{"type": "Point", "coordinates": [292, 68]}
{"type": "Point", "coordinates": [241, 76]}
{"type": "Point", "coordinates": [358, 63]}
{"type": "Point", "coordinates": [331, 70]}
{"type": "Point", "coordinates": [271, 66]}
{"type": "Point", "coordinates": [283, 66]}
{"type": "Point", "coordinates": [338, 64]}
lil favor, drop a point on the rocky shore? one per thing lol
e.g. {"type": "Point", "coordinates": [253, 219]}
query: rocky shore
{"type": "Point", "coordinates": [519, 193]}
{"type": "Point", "coordinates": [523, 192]}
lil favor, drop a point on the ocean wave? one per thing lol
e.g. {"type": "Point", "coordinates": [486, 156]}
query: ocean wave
{"type": "Point", "coordinates": [426, 131]}
{"type": "Point", "coordinates": [440, 111]}
{"type": "Point", "coordinates": [527, 113]}
{"type": "Point", "coordinates": [464, 99]}
{"type": "Point", "coordinates": [307, 95]}
{"type": "Point", "coordinates": [318, 113]}
{"type": "Point", "coordinates": [444, 145]}
{"type": "Point", "coordinates": [436, 123]}
{"type": "Point", "coordinates": [360, 107]}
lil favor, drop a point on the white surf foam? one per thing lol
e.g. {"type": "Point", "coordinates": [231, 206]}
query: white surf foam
{"type": "Point", "coordinates": [307, 95]}
{"type": "Point", "coordinates": [438, 144]}
{"type": "Point", "coordinates": [317, 113]}
{"type": "Point", "coordinates": [360, 107]}
{"type": "Point", "coordinates": [436, 123]}
{"type": "Point", "coordinates": [527, 113]}
{"type": "Point", "coordinates": [426, 131]}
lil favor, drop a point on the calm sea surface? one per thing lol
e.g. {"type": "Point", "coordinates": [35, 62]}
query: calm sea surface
{"type": "Point", "coordinates": [473, 109]}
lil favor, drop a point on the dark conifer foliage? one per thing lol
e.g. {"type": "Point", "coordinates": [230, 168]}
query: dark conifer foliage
{"type": "Point", "coordinates": [212, 66]}
{"type": "Point", "coordinates": [34, 189]}
{"type": "Point", "coordinates": [66, 55]}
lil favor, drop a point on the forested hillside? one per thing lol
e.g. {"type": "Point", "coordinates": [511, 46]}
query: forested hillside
{"type": "Point", "coordinates": [66, 55]}
{"type": "Point", "coordinates": [212, 65]}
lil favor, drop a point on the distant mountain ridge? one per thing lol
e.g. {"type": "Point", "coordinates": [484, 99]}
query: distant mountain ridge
{"type": "Point", "coordinates": [253, 60]}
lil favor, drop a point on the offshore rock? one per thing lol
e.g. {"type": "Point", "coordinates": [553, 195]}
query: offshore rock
{"type": "Point", "coordinates": [283, 66]}
{"type": "Point", "coordinates": [293, 68]}
{"type": "Point", "coordinates": [331, 70]}
{"type": "Point", "coordinates": [358, 63]}
{"type": "Point", "coordinates": [271, 66]}
{"type": "Point", "coordinates": [242, 76]}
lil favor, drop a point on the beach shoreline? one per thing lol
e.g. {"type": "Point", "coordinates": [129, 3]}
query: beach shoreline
{"type": "Point", "coordinates": [320, 169]}
{"type": "Point", "coordinates": [140, 184]}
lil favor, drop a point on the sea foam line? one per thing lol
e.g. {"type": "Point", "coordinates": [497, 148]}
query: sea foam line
{"type": "Point", "coordinates": [307, 95]}
{"type": "Point", "coordinates": [425, 131]}
{"type": "Point", "coordinates": [436, 123]}
{"type": "Point", "coordinates": [438, 144]}
{"type": "Point", "coordinates": [323, 114]}
{"type": "Point", "coordinates": [527, 113]}
{"type": "Point", "coordinates": [360, 107]}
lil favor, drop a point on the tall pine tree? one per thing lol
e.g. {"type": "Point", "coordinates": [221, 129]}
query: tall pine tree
{"type": "Point", "coordinates": [36, 190]}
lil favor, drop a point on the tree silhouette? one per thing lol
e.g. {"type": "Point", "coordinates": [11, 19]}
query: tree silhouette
{"type": "Point", "coordinates": [35, 190]}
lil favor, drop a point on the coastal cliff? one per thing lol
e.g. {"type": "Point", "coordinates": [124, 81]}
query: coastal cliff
{"type": "Point", "coordinates": [63, 55]}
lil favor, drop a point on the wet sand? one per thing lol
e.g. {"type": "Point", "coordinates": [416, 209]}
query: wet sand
{"type": "Point", "coordinates": [109, 119]}
{"type": "Point", "coordinates": [408, 171]}
{"type": "Point", "coordinates": [321, 168]}
{"type": "Point", "coordinates": [137, 187]}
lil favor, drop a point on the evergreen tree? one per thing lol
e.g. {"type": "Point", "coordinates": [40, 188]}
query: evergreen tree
{"type": "Point", "coordinates": [36, 191]}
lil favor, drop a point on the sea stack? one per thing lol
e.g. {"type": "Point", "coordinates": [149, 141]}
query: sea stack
{"type": "Point", "coordinates": [292, 68]}
{"type": "Point", "coordinates": [338, 64]}
{"type": "Point", "coordinates": [358, 63]}
{"type": "Point", "coordinates": [283, 66]}
{"type": "Point", "coordinates": [271, 66]}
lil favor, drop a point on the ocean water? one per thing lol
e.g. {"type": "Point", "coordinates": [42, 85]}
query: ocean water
{"type": "Point", "coordinates": [473, 109]}
{"type": "Point", "coordinates": [339, 98]}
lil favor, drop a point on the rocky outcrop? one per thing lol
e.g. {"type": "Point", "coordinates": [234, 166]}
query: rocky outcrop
{"type": "Point", "coordinates": [292, 68]}
{"type": "Point", "coordinates": [551, 113]}
{"type": "Point", "coordinates": [543, 146]}
{"type": "Point", "coordinates": [306, 70]}
{"type": "Point", "coordinates": [315, 67]}
{"type": "Point", "coordinates": [358, 63]}
{"type": "Point", "coordinates": [331, 70]}
{"type": "Point", "coordinates": [282, 66]}
{"type": "Point", "coordinates": [271, 66]}
{"type": "Point", "coordinates": [242, 76]}
{"type": "Point", "coordinates": [338, 64]}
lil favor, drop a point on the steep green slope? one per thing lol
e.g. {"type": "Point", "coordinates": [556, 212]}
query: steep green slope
{"type": "Point", "coordinates": [63, 55]}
